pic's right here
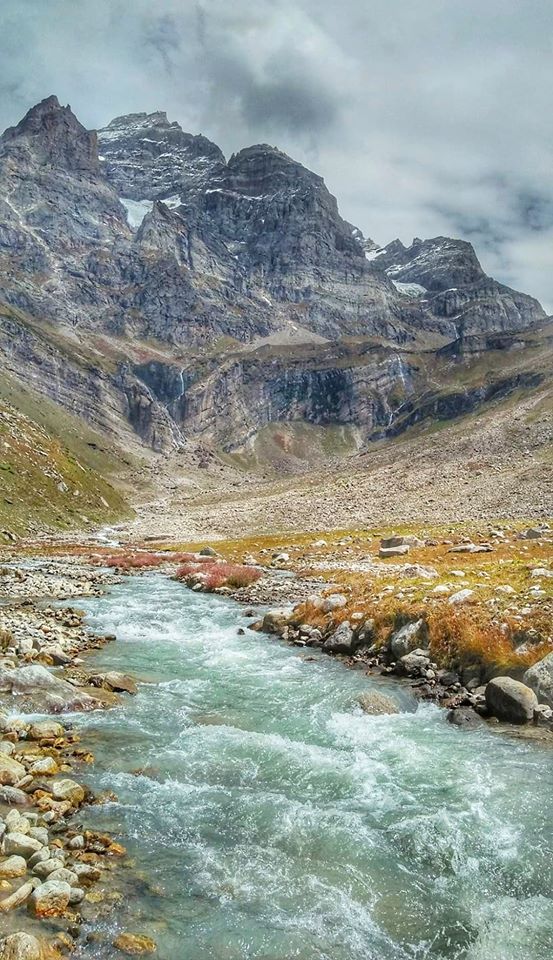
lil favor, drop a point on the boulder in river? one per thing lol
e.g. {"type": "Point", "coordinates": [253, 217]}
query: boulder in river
{"type": "Point", "coordinates": [376, 703]}
{"type": "Point", "coordinates": [510, 700]}
{"type": "Point", "coordinates": [40, 689]}
{"type": "Point", "coordinates": [113, 680]}
{"type": "Point", "coordinates": [275, 621]}
{"type": "Point", "coordinates": [465, 717]}
{"type": "Point", "coordinates": [540, 679]}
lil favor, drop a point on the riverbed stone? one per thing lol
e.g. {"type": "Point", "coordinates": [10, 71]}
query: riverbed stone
{"type": "Point", "coordinates": [13, 796]}
{"type": "Point", "coordinates": [510, 700]}
{"type": "Point", "coordinates": [113, 680]}
{"type": "Point", "coordinates": [41, 690]}
{"type": "Point", "coordinates": [21, 946]}
{"type": "Point", "coordinates": [14, 866]}
{"type": "Point", "coordinates": [17, 898]}
{"type": "Point", "coordinates": [375, 703]}
{"type": "Point", "coordinates": [20, 845]}
{"type": "Point", "coordinates": [50, 899]}
{"type": "Point", "coordinates": [67, 789]}
{"type": "Point", "coordinates": [275, 621]}
{"type": "Point", "coordinates": [134, 944]}
{"type": "Point", "coordinates": [540, 679]}
{"type": "Point", "coordinates": [11, 771]}
{"type": "Point", "coordinates": [46, 767]}
{"type": "Point", "coordinates": [45, 730]}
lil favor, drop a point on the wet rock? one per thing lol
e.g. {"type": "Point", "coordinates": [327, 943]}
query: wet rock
{"type": "Point", "coordinates": [510, 700]}
{"type": "Point", "coordinates": [464, 717]}
{"type": "Point", "coordinates": [17, 898]}
{"type": "Point", "coordinates": [20, 844]}
{"type": "Point", "coordinates": [44, 868]}
{"type": "Point", "coordinates": [21, 946]}
{"type": "Point", "coordinates": [45, 730]}
{"type": "Point", "coordinates": [50, 899]}
{"type": "Point", "coordinates": [540, 679]}
{"type": "Point", "coordinates": [376, 703]}
{"type": "Point", "coordinates": [13, 796]}
{"type": "Point", "coordinates": [408, 638]}
{"type": "Point", "coordinates": [11, 772]}
{"type": "Point", "coordinates": [76, 843]}
{"type": "Point", "coordinates": [68, 790]}
{"type": "Point", "coordinates": [118, 682]}
{"type": "Point", "coordinates": [40, 689]}
{"type": "Point", "coordinates": [275, 621]}
{"type": "Point", "coordinates": [46, 767]}
{"type": "Point", "coordinates": [13, 867]}
{"type": "Point", "coordinates": [65, 875]}
{"type": "Point", "coordinates": [134, 944]}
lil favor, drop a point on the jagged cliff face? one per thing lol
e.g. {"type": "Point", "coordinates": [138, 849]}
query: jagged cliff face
{"type": "Point", "coordinates": [143, 240]}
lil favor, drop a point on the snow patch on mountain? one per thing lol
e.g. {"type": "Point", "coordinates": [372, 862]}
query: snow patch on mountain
{"type": "Point", "coordinates": [409, 289]}
{"type": "Point", "coordinates": [136, 210]}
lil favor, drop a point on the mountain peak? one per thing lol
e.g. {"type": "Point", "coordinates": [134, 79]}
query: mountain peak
{"type": "Point", "coordinates": [54, 135]}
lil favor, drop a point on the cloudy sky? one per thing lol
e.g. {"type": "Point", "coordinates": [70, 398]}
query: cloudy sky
{"type": "Point", "coordinates": [425, 117]}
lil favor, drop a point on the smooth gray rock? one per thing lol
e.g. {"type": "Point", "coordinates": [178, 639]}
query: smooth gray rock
{"type": "Point", "coordinates": [510, 700]}
{"type": "Point", "coordinates": [540, 679]}
{"type": "Point", "coordinates": [408, 638]}
{"type": "Point", "coordinates": [36, 686]}
{"type": "Point", "coordinates": [342, 640]}
{"type": "Point", "coordinates": [413, 664]}
{"type": "Point", "coordinates": [375, 703]}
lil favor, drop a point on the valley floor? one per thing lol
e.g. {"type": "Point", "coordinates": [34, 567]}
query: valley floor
{"type": "Point", "coordinates": [495, 465]}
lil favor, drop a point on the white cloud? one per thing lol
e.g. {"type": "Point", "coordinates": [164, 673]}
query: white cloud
{"type": "Point", "coordinates": [424, 116]}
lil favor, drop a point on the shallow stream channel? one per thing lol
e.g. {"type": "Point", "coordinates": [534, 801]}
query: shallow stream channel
{"type": "Point", "coordinates": [271, 819]}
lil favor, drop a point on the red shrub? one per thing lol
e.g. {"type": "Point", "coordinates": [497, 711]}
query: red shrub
{"type": "Point", "coordinates": [133, 561]}
{"type": "Point", "coordinates": [214, 575]}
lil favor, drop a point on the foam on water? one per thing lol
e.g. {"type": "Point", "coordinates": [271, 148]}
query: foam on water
{"type": "Point", "coordinates": [283, 822]}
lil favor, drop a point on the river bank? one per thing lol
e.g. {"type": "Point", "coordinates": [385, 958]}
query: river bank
{"type": "Point", "coordinates": [41, 636]}
{"type": "Point", "coordinates": [56, 873]}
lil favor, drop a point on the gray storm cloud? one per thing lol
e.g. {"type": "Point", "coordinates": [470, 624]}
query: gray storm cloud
{"type": "Point", "coordinates": [424, 116]}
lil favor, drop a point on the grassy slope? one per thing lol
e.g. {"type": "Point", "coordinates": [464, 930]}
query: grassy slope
{"type": "Point", "coordinates": [47, 482]}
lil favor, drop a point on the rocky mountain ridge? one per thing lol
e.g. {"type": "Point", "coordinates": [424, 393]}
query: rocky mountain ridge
{"type": "Point", "coordinates": [152, 287]}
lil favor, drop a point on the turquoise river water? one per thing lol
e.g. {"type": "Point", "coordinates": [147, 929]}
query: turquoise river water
{"type": "Point", "coordinates": [273, 820]}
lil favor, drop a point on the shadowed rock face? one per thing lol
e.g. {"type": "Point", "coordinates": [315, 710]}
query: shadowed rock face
{"type": "Point", "coordinates": [204, 249]}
